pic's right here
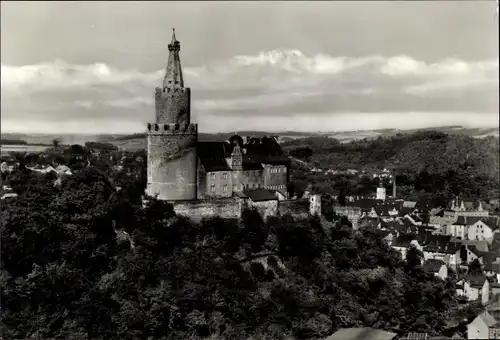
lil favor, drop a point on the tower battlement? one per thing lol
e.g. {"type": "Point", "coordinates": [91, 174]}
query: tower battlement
{"type": "Point", "coordinates": [172, 129]}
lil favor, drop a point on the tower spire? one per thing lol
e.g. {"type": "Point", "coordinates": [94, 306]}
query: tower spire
{"type": "Point", "coordinates": [173, 73]}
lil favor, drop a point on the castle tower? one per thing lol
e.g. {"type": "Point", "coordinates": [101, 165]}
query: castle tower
{"type": "Point", "coordinates": [172, 139]}
{"type": "Point", "coordinates": [381, 192]}
{"type": "Point", "coordinates": [236, 158]}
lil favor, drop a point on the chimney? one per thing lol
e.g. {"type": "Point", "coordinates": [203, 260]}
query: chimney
{"type": "Point", "coordinates": [394, 186]}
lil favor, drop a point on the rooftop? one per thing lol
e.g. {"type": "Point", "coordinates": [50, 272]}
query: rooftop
{"type": "Point", "coordinates": [361, 333]}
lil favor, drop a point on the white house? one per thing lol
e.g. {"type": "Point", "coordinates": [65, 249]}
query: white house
{"type": "Point", "coordinates": [484, 326]}
{"type": "Point", "coordinates": [437, 267]}
{"type": "Point", "coordinates": [474, 288]}
{"type": "Point", "coordinates": [403, 242]}
{"type": "Point", "coordinates": [483, 229]}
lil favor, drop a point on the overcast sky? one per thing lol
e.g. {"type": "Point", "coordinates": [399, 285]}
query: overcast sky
{"type": "Point", "coordinates": [306, 66]}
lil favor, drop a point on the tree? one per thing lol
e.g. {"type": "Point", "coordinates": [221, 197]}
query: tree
{"type": "Point", "coordinates": [475, 267]}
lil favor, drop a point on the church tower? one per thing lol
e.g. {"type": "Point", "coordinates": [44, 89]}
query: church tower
{"type": "Point", "coordinates": [381, 191]}
{"type": "Point", "coordinates": [172, 138]}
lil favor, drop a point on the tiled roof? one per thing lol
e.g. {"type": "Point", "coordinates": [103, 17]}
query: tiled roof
{"type": "Point", "coordinates": [409, 204]}
{"type": "Point", "coordinates": [257, 151]}
{"type": "Point", "coordinates": [265, 150]}
{"type": "Point", "coordinates": [441, 244]}
{"type": "Point", "coordinates": [476, 280]}
{"type": "Point", "coordinates": [492, 221]}
{"type": "Point", "coordinates": [490, 262]}
{"type": "Point", "coordinates": [211, 155]}
{"type": "Point", "coordinates": [488, 319]}
{"type": "Point", "coordinates": [260, 194]}
{"type": "Point", "coordinates": [480, 245]}
{"type": "Point", "coordinates": [433, 265]}
{"type": "Point", "coordinates": [403, 240]}
{"type": "Point", "coordinates": [362, 333]}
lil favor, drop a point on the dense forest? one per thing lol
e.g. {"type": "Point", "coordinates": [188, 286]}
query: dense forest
{"type": "Point", "coordinates": [425, 163]}
{"type": "Point", "coordinates": [84, 261]}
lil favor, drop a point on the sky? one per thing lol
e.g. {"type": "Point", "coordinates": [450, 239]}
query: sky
{"type": "Point", "coordinates": [91, 67]}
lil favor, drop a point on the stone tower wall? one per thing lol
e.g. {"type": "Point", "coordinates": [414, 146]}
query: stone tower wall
{"type": "Point", "coordinates": [172, 161]}
{"type": "Point", "coordinates": [173, 105]}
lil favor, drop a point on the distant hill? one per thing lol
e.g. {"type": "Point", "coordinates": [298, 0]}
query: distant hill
{"type": "Point", "coordinates": [431, 151]}
{"type": "Point", "coordinates": [138, 140]}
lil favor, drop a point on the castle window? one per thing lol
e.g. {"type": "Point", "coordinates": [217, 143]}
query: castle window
{"type": "Point", "coordinates": [212, 187]}
{"type": "Point", "coordinates": [253, 185]}
{"type": "Point", "coordinates": [224, 175]}
{"type": "Point", "coordinates": [213, 176]}
{"type": "Point", "coordinates": [224, 187]}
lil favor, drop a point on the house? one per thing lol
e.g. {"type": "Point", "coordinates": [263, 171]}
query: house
{"type": "Point", "coordinates": [474, 288]}
{"type": "Point", "coordinates": [483, 228]}
{"type": "Point", "coordinates": [491, 265]}
{"type": "Point", "coordinates": [361, 333]}
{"type": "Point", "coordinates": [440, 247]}
{"type": "Point", "coordinates": [263, 200]}
{"type": "Point", "coordinates": [484, 326]}
{"type": "Point", "coordinates": [458, 228]}
{"type": "Point", "coordinates": [403, 242]}
{"type": "Point", "coordinates": [472, 253]}
{"type": "Point", "coordinates": [437, 267]}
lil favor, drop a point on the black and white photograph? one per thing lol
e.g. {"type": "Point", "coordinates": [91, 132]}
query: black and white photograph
{"type": "Point", "coordinates": [249, 170]}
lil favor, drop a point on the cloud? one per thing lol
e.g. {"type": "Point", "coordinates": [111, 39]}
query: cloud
{"type": "Point", "coordinates": [275, 90]}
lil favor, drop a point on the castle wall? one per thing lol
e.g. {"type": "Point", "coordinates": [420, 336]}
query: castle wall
{"type": "Point", "coordinates": [173, 105]}
{"type": "Point", "coordinates": [199, 209]}
{"type": "Point", "coordinates": [265, 208]}
{"type": "Point", "coordinates": [275, 176]}
{"type": "Point", "coordinates": [298, 208]}
{"type": "Point", "coordinates": [219, 184]}
{"type": "Point", "coordinates": [172, 161]}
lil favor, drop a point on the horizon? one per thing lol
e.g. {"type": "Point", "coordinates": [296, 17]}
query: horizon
{"type": "Point", "coordinates": [275, 76]}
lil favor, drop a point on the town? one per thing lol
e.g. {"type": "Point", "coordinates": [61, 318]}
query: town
{"type": "Point", "coordinates": [182, 187]}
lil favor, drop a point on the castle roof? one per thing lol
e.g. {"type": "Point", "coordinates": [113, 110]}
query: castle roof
{"type": "Point", "coordinates": [173, 74]}
{"type": "Point", "coordinates": [211, 155]}
{"type": "Point", "coordinates": [260, 194]}
{"type": "Point", "coordinates": [256, 151]}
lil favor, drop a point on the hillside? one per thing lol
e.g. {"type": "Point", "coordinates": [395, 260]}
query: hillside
{"type": "Point", "coordinates": [91, 263]}
{"type": "Point", "coordinates": [436, 162]}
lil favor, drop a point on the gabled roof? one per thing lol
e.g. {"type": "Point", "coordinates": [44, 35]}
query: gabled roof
{"type": "Point", "coordinates": [474, 250]}
{"type": "Point", "coordinates": [476, 280]}
{"type": "Point", "coordinates": [433, 265]}
{"type": "Point", "coordinates": [403, 240]}
{"type": "Point", "coordinates": [361, 333]}
{"type": "Point", "coordinates": [256, 151]}
{"type": "Point", "coordinates": [265, 150]}
{"type": "Point", "coordinates": [441, 244]}
{"type": "Point", "coordinates": [490, 262]}
{"type": "Point", "coordinates": [436, 211]}
{"type": "Point", "coordinates": [260, 194]}
{"type": "Point", "coordinates": [491, 221]}
{"type": "Point", "coordinates": [488, 319]}
{"type": "Point", "coordinates": [480, 245]}
{"type": "Point", "coordinates": [211, 155]}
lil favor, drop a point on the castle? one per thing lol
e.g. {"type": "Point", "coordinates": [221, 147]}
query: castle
{"type": "Point", "coordinates": [181, 168]}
